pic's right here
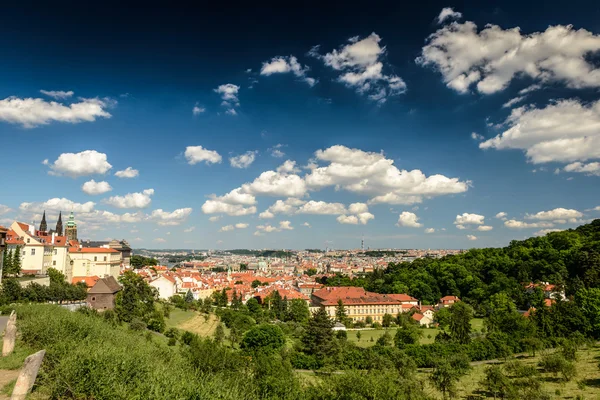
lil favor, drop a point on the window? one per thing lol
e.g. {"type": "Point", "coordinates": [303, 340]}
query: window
{"type": "Point", "coordinates": [93, 299]}
{"type": "Point", "coordinates": [28, 240]}
{"type": "Point", "coordinates": [95, 258]}
{"type": "Point", "coordinates": [55, 251]}
{"type": "Point", "coordinates": [33, 252]}
{"type": "Point", "coordinates": [104, 258]}
{"type": "Point", "coordinates": [53, 262]}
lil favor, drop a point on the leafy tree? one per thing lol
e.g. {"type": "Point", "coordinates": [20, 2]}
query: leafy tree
{"type": "Point", "coordinates": [11, 290]}
{"type": "Point", "coordinates": [318, 339]}
{"type": "Point", "coordinates": [589, 302]}
{"type": "Point", "coordinates": [340, 312]}
{"type": "Point", "coordinates": [460, 322]}
{"type": "Point", "coordinates": [136, 299]}
{"type": "Point", "coordinates": [447, 372]}
{"type": "Point", "coordinates": [298, 311]}
{"type": "Point", "coordinates": [442, 317]}
{"type": "Point", "coordinates": [255, 283]}
{"type": "Point", "coordinates": [385, 339]}
{"type": "Point", "coordinates": [407, 335]}
{"type": "Point", "coordinates": [6, 262]}
{"type": "Point", "coordinates": [358, 335]}
{"type": "Point", "coordinates": [236, 301]}
{"type": "Point", "coordinates": [496, 382]}
{"type": "Point", "coordinates": [138, 261]}
{"type": "Point", "coordinates": [219, 334]}
{"type": "Point", "coordinates": [15, 264]}
{"type": "Point", "coordinates": [264, 337]}
{"type": "Point", "coordinates": [311, 271]}
{"type": "Point", "coordinates": [387, 320]}
{"type": "Point", "coordinates": [253, 306]}
{"type": "Point", "coordinates": [369, 320]}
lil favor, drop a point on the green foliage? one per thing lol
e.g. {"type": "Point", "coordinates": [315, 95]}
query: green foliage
{"type": "Point", "coordinates": [460, 322]}
{"type": "Point", "coordinates": [189, 297]}
{"type": "Point", "coordinates": [140, 261]}
{"type": "Point", "coordinates": [556, 363]}
{"type": "Point", "coordinates": [340, 312]}
{"type": "Point", "coordinates": [264, 337]}
{"type": "Point", "coordinates": [447, 372]}
{"type": "Point", "coordinates": [406, 335]}
{"type": "Point", "coordinates": [298, 311]}
{"type": "Point", "coordinates": [136, 301]}
{"type": "Point", "coordinates": [387, 320]}
{"type": "Point", "coordinates": [58, 290]}
{"type": "Point", "coordinates": [496, 382]}
{"type": "Point", "coordinates": [318, 339]}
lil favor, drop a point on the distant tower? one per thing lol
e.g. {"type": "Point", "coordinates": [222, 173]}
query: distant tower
{"type": "Point", "coordinates": [71, 231]}
{"type": "Point", "coordinates": [43, 225]}
{"type": "Point", "coordinates": [59, 227]}
{"type": "Point", "coordinates": [362, 243]}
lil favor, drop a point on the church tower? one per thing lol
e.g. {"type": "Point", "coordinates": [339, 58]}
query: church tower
{"type": "Point", "coordinates": [71, 231]}
{"type": "Point", "coordinates": [43, 225]}
{"type": "Point", "coordinates": [59, 227]}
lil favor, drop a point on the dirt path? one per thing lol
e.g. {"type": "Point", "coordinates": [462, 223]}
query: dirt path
{"type": "Point", "coordinates": [197, 324]}
{"type": "Point", "coordinates": [6, 377]}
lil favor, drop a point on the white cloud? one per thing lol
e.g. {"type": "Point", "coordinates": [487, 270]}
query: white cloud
{"type": "Point", "coordinates": [514, 224]}
{"type": "Point", "coordinates": [197, 110]}
{"type": "Point", "coordinates": [271, 183]}
{"type": "Point", "coordinates": [477, 136]}
{"type": "Point", "coordinates": [233, 203]}
{"type": "Point", "coordinates": [58, 204]}
{"type": "Point", "coordinates": [361, 67]}
{"type": "Point", "coordinates": [285, 225]}
{"type": "Point", "coordinates": [127, 173]}
{"type": "Point", "coordinates": [58, 94]}
{"type": "Point", "coordinates": [429, 230]}
{"type": "Point", "coordinates": [448, 13]}
{"type": "Point", "coordinates": [501, 215]}
{"type": "Point", "coordinates": [513, 101]}
{"type": "Point", "coordinates": [5, 209]}
{"type": "Point", "coordinates": [597, 208]}
{"type": "Point", "coordinates": [243, 160]}
{"type": "Point", "coordinates": [484, 228]}
{"type": "Point", "coordinates": [306, 224]}
{"type": "Point", "coordinates": [87, 162]}
{"type": "Point", "coordinates": [494, 56]}
{"type": "Point", "coordinates": [196, 154]}
{"type": "Point", "coordinates": [241, 225]}
{"type": "Point", "coordinates": [471, 237]}
{"type": "Point", "coordinates": [289, 207]}
{"type": "Point", "coordinates": [236, 196]}
{"type": "Point", "coordinates": [190, 229]}
{"type": "Point", "coordinates": [544, 232]}
{"type": "Point", "coordinates": [373, 174]}
{"type": "Point", "coordinates": [229, 95]}
{"type": "Point", "coordinates": [159, 240]}
{"type": "Point", "coordinates": [166, 218]}
{"type": "Point", "coordinates": [31, 112]}
{"type": "Point", "coordinates": [93, 188]}
{"type": "Point", "coordinates": [348, 219]}
{"type": "Point", "coordinates": [45, 162]}
{"type": "Point", "coordinates": [461, 227]}
{"type": "Point", "coordinates": [214, 218]}
{"type": "Point", "coordinates": [282, 65]}
{"type": "Point", "coordinates": [276, 151]}
{"type": "Point", "coordinates": [564, 131]}
{"type": "Point", "coordinates": [266, 215]}
{"type": "Point", "coordinates": [358, 208]}
{"type": "Point", "coordinates": [131, 200]}
{"type": "Point", "coordinates": [409, 219]}
{"type": "Point", "coordinates": [227, 228]}
{"type": "Point", "coordinates": [589, 169]}
{"type": "Point", "coordinates": [322, 208]}
{"type": "Point", "coordinates": [556, 214]}
{"type": "Point", "coordinates": [288, 167]}
{"type": "Point", "coordinates": [469, 219]}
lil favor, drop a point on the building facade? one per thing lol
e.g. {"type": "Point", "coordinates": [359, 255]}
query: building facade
{"type": "Point", "coordinates": [71, 230]}
{"type": "Point", "coordinates": [98, 261]}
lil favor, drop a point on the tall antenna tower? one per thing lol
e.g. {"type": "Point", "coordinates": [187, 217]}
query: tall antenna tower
{"type": "Point", "coordinates": [362, 243]}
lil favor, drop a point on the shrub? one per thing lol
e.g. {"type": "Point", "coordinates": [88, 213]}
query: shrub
{"type": "Point", "coordinates": [137, 324]}
{"type": "Point", "coordinates": [264, 337]}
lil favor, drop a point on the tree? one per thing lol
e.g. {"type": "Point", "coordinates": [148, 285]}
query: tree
{"type": "Point", "coordinates": [265, 337]}
{"type": "Point", "coordinates": [447, 372]}
{"type": "Point", "coordinates": [6, 262]}
{"type": "Point", "coordinates": [358, 335]}
{"type": "Point", "coordinates": [236, 301]}
{"type": "Point", "coordinates": [298, 311]}
{"type": "Point", "coordinates": [189, 297]}
{"type": "Point", "coordinates": [318, 339]}
{"type": "Point", "coordinates": [15, 264]}
{"type": "Point", "coordinates": [442, 317]}
{"type": "Point", "coordinates": [385, 339]}
{"type": "Point", "coordinates": [219, 333]}
{"type": "Point", "coordinates": [136, 299]}
{"type": "Point", "coordinates": [407, 334]}
{"type": "Point", "coordinates": [496, 382]}
{"type": "Point", "coordinates": [460, 322]}
{"type": "Point", "coordinates": [589, 302]}
{"type": "Point", "coordinates": [311, 271]}
{"type": "Point", "coordinates": [255, 283]}
{"type": "Point", "coordinates": [387, 320]}
{"type": "Point", "coordinates": [340, 312]}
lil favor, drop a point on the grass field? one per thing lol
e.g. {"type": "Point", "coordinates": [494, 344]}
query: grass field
{"type": "Point", "coordinates": [428, 337]}
{"type": "Point", "coordinates": [193, 321]}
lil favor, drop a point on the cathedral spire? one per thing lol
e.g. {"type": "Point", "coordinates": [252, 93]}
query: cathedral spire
{"type": "Point", "coordinates": [43, 226]}
{"type": "Point", "coordinates": [59, 225]}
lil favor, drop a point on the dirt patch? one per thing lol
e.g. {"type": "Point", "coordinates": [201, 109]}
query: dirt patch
{"type": "Point", "coordinates": [198, 324]}
{"type": "Point", "coordinates": [6, 377]}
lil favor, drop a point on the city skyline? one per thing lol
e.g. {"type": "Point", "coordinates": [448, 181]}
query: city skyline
{"type": "Point", "coordinates": [413, 127]}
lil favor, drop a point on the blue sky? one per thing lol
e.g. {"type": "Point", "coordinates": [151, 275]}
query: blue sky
{"type": "Point", "coordinates": [413, 126]}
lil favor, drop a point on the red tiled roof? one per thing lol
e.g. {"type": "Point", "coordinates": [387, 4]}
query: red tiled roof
{"type": "Point", "coordinates": [449, 298]}
{"type": "Point", "coordinates": [91, 250]}
{"type": "Point", "coordinates": [88, 280]}
{"type": "Point", "coordinates": [417, 317]}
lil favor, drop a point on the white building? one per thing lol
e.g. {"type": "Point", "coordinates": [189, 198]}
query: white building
{"type": "Point", "coordinates": [98, 261]}
{"type": "Point", "coordinates": [166, 286]}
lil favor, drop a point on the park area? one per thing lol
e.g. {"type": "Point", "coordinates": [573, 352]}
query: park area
{"type": "Point", "coordinates": [193, 321]}
{"type": "Point", "coordinates": [368, 337]}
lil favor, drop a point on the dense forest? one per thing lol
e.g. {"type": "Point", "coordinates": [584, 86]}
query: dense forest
{"type": "Point", "coordinates": [570, 259]}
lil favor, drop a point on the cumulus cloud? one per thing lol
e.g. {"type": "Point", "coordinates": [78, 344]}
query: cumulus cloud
{"type": "Point", "coordinates": [289, 207]}
{"type": "Point", "coordinates": [348, 219]}
{"type": "Point", "coordinates": [514, 224]}
{"type": "Point", "coordinates": [361, 215]}
{"type": "Point", "coordinates": [127, 173]}
{"type": "Point", "coordinates": [429, 230]}
{"type": "Point", "coordinates": [361, 67]}
{"type": "Point", "coordinates": [30, 112]}
{"type": "Point", "coordinates": [166, 218]}
{"type": "Point", "coordinates": [197, 110]}
{"type": "Point", "coordinates": [243, 160]}
{"type": "Point", "coordinates": [276, 151]}
{"type": "Point", "coordinates": [471, 237]}
{"type": "Point", "coordinates": [373, 174]}
{"type": "Point", "coordinates": [493, 57]}
{"type": "Point", "coordinates": [190, 229]}
{"type": "Point", "coordinates": [234, 203]}
{"type": "Point", "coordinates": [58, 94]}
{"type": "Point", "coordinates": [564, 131]}
{"type": "Point", "coordinates": [131, 200]}
{"type": "Point", "coordinates": [501, 215]}
{"type": "Point", "coordinates": [4, 209]}
{"type": "Point", "coordinates": [590, 169]}
{"type": "Point", "coordinates": [85, 163]}
{"type": "Point", "coordinates": [556, 214]}
{"type": "Point", "coordinates": [93, 188]}
{"type": "Point", "coordinates": [159, 240]}
{"type": "Point", "coordinates": [197, 154]}
{"type": "Point", "coordinates": [229, 97]}
{"type": "Point", "coordinates": [283, 65]}
{"type": "Point", "coordinates": [241, 225]}
{"type": "Point", "coordinates": [544, 232]}
{"type": "Point", "coordinates": [58, 204]}
{"type": "Point", "coordinates": [266, 215]}
{"type": "Point", "coordinates": [469, 219]}
{"type": "Point", "coordinates": [477, 136]}
{"type": "Point", "coordinates": [272, 183]}
{"type": "Point", "coordinates": [448, 13]}
{"type": "Point", "coordinates": [322, 208]}
{"type": "Point", "coordinates": [409, 220]}
{"type": "Point", "coordinates": [214, 218]}
{"type": "Point", "coordinates": [484, 228]}
{"type": "Point", "coordinates": [283, 226]}
{"type": "Point", "coordinates": [288, 167]}
{"type": "Point", "coordinates": [227, 228]}
{"type": "Point", "coordinates": [306, 224]}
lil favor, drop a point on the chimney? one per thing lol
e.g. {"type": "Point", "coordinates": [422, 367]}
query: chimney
{"type": "Point", "coordinates": [53, 236]}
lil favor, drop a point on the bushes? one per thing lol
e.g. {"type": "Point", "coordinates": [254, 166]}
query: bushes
{"type": "Point", "coordinates": [557, 364]}
{"type": "Point", "coordinates": [264, 337]}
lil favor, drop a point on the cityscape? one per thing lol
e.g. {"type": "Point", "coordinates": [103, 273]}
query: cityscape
{"type": "Point", "coordinates": [375, 201]}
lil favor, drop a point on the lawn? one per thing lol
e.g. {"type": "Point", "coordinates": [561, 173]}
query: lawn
{"type": "Point", "coordinates": [428, 337]}
{"type": "Point", "coordinates": [193, 321]}
{"type": "Point", "coordinates": [177, 317]}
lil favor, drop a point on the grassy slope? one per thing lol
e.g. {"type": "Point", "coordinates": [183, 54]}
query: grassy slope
{"type": "Point", "coordinates": [193, 321]}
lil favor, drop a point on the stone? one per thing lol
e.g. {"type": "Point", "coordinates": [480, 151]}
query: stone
{"type": "Point", "coordinates": [28, 374]}
{"type": "Point", "coordinates": [10, 335]}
